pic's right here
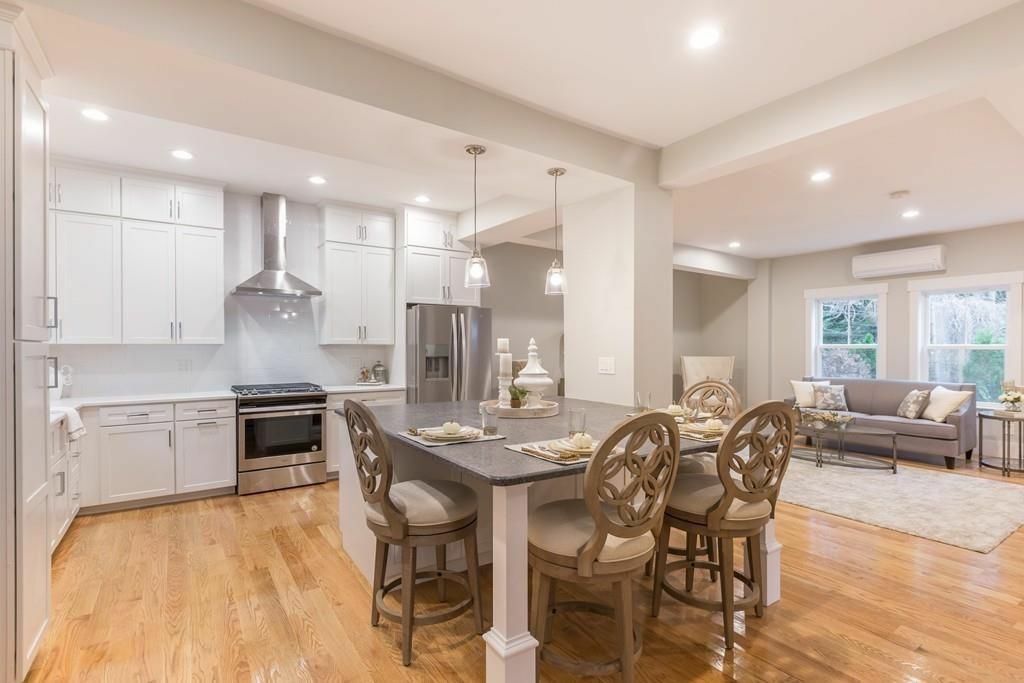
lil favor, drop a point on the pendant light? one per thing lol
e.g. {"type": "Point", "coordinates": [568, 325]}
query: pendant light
{"type": "Point", "coordinates": [476, 266]}
{"type": "Point", "coordinates": [554, 284]}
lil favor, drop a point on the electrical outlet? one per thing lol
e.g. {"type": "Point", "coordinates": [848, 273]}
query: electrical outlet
{"type": "Point", "coordinates": [606, 365]}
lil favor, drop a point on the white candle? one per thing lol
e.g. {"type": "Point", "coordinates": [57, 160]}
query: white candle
{"type": "Point", "coordinates": [505, 364]}
{"type": "Point", "coordinates": [503, 346]}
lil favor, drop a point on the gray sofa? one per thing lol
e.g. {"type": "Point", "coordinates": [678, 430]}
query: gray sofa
{"type": "Point", "coordinates": [873, 403]}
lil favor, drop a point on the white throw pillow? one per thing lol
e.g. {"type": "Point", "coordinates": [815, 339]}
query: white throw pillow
{"type": "Point", "coordinates": [943, 401]}
{"type": "Point", "coordinates": [803, 392]}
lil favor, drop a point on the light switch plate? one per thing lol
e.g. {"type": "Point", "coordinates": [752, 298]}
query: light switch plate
{"type": "Point", "coordinates": [606, 365]}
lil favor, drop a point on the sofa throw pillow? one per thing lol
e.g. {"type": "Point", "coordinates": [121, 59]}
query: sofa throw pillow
{"type": "Point", "coordinates": [803, 392]}
{"type": "Point", "coordinates": [913, 405]}
{"type": "Point", "coordinates": [943, 401]}
{"type": "Point", "coordinates": [830, 397]}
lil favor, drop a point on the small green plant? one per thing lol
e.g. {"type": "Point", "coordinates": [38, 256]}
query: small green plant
{"type": "Point", "coordinates": [517, 393]}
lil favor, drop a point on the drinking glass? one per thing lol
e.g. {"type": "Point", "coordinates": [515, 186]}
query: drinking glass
{"type": "Point", "coordinates": [577, 421]}
{"type": "Point", "coordinates": [488, 422]}
{"type": "Point", "coordinates": [643, 406]}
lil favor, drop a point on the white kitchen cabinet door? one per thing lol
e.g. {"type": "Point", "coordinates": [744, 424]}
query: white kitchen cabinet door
{"type": "Point", "coordinates": [452, 228]}
{"type": "Point", "coordinates": [74, 485]}
{"type": "Point", "coordinates": [336, 439]}
{"type": "Point", "coordinates": [425, 276]}
{"type": "Point", "coordinates": [60, 503]}
{"type": "Point", "coordinates": [341, 319]}
{"type": "Point", "coordinates": [87, 191]}
{"type": "Point", "coordinates": [342, 224]}
{"type": "Point", "coordinates": [136, 461]}
{"type": "Point", "coordinates": [199, 285]}
{"type": "Point", "coordinates": [378, 230]}
{"type": "Point", "coordinates": [204, 455]}
{"type": "Point", "coordinates": [148, 314]}
{"type": "Point", "coordinates": [424, 229]}
{"type": "Point", "coordinates": [378, 292]}
{"type": "Point", "coordinates": [88, 279]}
{"type": "Point", "coordinates": [199, 205]}
{"type": "Point", "coordinates": [147, 199]}
{"type": "Point", "coordinates": [31, 311]}
{"type": "Point", "coordinates": [32, 554]}
{"type": "Point", "coordinates": [458, 293]}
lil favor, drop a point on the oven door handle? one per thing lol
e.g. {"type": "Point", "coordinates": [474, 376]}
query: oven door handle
{"type": "Point", "coordinates": [277, 411]}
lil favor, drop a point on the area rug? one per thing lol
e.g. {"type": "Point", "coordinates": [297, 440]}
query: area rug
{"type": "Point", "coordinates": [967, 512]}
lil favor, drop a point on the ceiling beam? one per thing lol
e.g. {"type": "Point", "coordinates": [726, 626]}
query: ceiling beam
{"type": "Point", "coordinates": [936, 73]}
{"type": "Point", "coordinates": [708, 262]}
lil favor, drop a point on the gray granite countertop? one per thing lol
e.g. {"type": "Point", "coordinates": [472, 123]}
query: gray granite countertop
{"type": "Point", "coordinates": [491, 461]}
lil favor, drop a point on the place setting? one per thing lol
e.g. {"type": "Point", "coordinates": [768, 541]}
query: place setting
{"type": "Point", "coordinates": [451, 433]}
{"type": "Point", "coordinates": [577, 447]}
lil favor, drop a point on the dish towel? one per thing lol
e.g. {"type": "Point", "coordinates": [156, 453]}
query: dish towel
{"type": "Point", "coordinates": [76, 428]}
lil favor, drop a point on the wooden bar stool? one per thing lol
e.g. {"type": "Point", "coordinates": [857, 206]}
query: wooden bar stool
{"type": "Point", "coordinates": [735, 502]}
{"type": "Point", "coordinates": [411, 515]}
{"type": "Point", "coordinates": [607, 537]}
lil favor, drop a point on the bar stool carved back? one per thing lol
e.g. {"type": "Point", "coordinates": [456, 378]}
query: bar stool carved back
{"type": "Point", "coordinates": [735, 502]}
{"type": "Point", "coordinates": [714, 398]}
{"type": "Point", "coordinates": [608, 536]}
{"type": "Point", "coordinates": [411, 515]}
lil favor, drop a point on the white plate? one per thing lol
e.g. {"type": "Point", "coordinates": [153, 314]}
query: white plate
{"type": "Point", "coordinates": [438, 434]}
{"type": "Point", "coordinates": [566, 446]}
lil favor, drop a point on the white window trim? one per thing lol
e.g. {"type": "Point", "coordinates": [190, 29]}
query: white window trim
{"type": "Point", "coordinates": [1011, 281]}
{"type": "Point", "coordinates": [811, 298]}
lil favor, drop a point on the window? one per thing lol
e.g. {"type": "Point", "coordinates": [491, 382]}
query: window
{"type": "Point", "coordinates": [968, 331]}
{"type": "Point", "coordinates": [846, 326]}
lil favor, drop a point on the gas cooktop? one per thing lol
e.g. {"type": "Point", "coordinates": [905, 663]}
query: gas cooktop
{"type": "Point", "coordinates": [277, 389]}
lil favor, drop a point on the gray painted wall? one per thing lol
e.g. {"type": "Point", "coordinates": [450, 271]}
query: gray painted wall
{"type": "Point", "coordinates": [968, 252]}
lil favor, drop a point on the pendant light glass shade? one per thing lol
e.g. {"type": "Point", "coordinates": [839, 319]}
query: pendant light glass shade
{"type": "Point", "coordinates": [476, 266]}
{"type": "Point", "coordinates": [554, 283]}
{"type": "Point", "coordinates": [476, 272]}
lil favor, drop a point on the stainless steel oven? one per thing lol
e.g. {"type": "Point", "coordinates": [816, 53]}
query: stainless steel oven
{"type": "Point", "coordinates": [280, 436]}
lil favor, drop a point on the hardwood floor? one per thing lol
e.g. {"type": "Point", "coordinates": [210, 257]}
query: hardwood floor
{"type": "Point", "coordinates": [256, 589]}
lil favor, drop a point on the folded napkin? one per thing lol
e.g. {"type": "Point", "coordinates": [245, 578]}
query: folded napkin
{"type": "Point", "coordinates": [76, 428]}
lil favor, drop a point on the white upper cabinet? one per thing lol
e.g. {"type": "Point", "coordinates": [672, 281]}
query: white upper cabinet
{"type": "Point", "coordinates": [148, 282]}
{"type": "Point", "coordinates": [358, 306]}
{"type": "Point", "coordinates": [436, 276]}
{"type": "Point", "coordinates": [356, 226]}
{"type": "Point", "coordinates": [378, 288]}
{"type": "Point", "coordinates": [31, 311]}
{"type": "Point", "coordinates": [199, 288]}
{"type": "Point", "coordinates": [154, 199]}
{"type": "Point", "coordinates": [431, 229]}
{"type": "Point", "coordinates": [88, 279]}
{"type": "Point", "coordinates": [86, 190]}
{"type": "Point", "coordinates": [147, 199]}
{"type": "Point", "coordinates": [342, 313]}
{"type": "Point", "coordinates": [199, 205]}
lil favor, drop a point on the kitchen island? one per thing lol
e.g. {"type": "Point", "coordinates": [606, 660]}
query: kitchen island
{"type": "Point", "coordinates": [508, 485]}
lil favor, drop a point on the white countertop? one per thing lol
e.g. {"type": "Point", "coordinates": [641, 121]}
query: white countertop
{"type": "Point", "coordinates": [79, 402]}
{"type": "Point", "coordinates": [362, 388]}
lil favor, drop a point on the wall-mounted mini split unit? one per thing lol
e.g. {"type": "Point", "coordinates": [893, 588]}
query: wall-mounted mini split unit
{"type": "Point", "coordinates": [928, 259]}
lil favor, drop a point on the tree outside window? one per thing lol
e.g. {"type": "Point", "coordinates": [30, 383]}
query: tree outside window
{"type": "Point", "coordinates": [847, 337]}
{"type": "Point", "coordinates": [967, 339]}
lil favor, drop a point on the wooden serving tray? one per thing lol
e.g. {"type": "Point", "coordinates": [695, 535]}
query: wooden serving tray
{"type": "Point", "coordinates": [546, 409]}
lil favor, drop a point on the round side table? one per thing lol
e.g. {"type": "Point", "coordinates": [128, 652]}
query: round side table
{"type": "Point", "coordinates": [1003, 462]}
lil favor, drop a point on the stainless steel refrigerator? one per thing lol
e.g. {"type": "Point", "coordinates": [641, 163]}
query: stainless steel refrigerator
{"type": "Point", "coordinates": [448, 353]}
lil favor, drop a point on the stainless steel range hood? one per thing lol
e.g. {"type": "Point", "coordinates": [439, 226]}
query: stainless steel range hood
{"type": "Point", "coordinates": [274, 279]}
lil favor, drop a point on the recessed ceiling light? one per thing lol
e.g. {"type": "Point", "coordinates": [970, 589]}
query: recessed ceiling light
{"type": "Point", "coordinates": [317, 179]}
{"type": "Point", "coordinates": [911, 213]}
{"type": "Point", "coordinates": [822, 176]}
{"type": "Point", "coordinates": [182, 154]}
{"type": "Point", "coordinates": [95, 115]}
{"type": "Point", "coordinates": [423, 199]}
{"type": "Point", "coordinates": [703, 37]}
{"type": "Point", "coordinates": [734, 245]}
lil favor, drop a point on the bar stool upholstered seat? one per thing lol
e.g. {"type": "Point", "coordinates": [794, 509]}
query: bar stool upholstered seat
{"type": "Point", "coordinates": [607, 537]}
{"type": "Point", "coordinates": [412, 514]}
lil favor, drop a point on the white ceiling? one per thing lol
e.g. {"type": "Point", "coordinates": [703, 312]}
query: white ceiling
{"type": "Point", "coordinates": [625, 67]}
{"type": "Point", "coordinates": [259, 134]}
{"type": "Point", "coordinates": [963, 167]}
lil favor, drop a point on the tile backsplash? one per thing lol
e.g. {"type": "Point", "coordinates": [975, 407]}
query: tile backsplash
{"type": "Point", "coordinates": [265, 340]}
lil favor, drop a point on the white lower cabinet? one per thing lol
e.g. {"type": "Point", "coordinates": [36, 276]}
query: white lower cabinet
{"type": "Point", "coordinates": [136, 461]}
{"type": "Point", "coordinates": [339, 447]}
{"type": "Point", "coordinates": [204, 455]}
{"type": "Point", "coordinates": [60, 506]}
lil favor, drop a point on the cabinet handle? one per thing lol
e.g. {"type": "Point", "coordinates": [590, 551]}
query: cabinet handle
{"type": "Point", "coordinates": [206, 410]}
{"type": "Point", "coordinates": [56, 313]}
{"type": "Point", "coordinates": [170, 207]}
{"type": "Point", "coordinates": [60, 193]}
{"type": "Point", "coordinates": [179, 209]}
{"type": "Point", "coordinates": [172, 329]}
{"type": "Point", "coordinates": [76, 496]}
{"type": "Point", "coordinates": [63, 483]}
{"type": "Point", "coordinates": [49, 191]}
{"type": "Point", "coordinates": [169, 438]}
{"type": "Point", "coordinates": [180, 335]}
{"type": "Point", "coordinates": [206, 424]}
{"type": "Point", "coordinates": [52, 363]}
{"type": "Point", "coordinates": [131, 415]}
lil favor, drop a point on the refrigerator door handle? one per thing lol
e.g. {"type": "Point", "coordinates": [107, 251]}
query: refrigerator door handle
{"type": "Point", "coordinates": [464, 352]}
{"type": "Point", "coordinates": [454, 347]}
{"type": "Point", "coordinates": [52, 370]}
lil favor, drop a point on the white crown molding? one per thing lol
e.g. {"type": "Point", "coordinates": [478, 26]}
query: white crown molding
{"type": "Point", "coordinates": [932, 284]}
